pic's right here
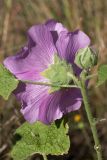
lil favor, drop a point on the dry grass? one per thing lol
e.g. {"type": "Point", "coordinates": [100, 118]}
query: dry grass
{"type": "Point", "coordinates": [16, 16]}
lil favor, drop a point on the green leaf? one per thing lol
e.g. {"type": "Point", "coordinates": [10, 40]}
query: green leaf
{"type": "Point", "coordinates": [57, 73]}
{"type": "Point", "coordinates": [7, 82]}
{"type": "Point", "coordinates": [40, 138]}
{"type": "Point", "coordinates": [102, 74]}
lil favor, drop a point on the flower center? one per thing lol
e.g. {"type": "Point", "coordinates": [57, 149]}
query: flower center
{"type": "Point", "coordinates": [57, 73]}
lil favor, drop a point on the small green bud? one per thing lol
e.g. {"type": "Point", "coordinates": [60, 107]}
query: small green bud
{"type": "Point", "coordinates": [86, 58]}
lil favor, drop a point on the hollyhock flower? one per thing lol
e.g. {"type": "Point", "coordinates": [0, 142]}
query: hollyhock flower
{"type": "Point", "coordinates": [36, 62]}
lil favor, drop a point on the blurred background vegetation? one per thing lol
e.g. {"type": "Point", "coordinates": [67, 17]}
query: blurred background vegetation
{"type": "Point", "coordinates": [16, 16]}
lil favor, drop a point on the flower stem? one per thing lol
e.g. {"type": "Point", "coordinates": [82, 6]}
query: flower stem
{"type": "Point", "coordinates": [45, 157]}
{"type": "Point", "coordinates": [97, 146]}
{"type": "Point", "coordinates": [50, 84]}
{"type": "Point", "coordinates": [73, 77]}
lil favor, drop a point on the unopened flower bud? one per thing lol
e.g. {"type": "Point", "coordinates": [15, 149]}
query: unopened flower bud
{"type": "Point", "coordinates": [86, 58]}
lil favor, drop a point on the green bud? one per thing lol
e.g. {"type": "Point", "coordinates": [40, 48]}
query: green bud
{"type": "Point", "coordinates": [86, 58]}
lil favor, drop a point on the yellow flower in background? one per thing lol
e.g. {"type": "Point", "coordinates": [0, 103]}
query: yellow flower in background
{"type": "Point", "coordinates": [77, 118]}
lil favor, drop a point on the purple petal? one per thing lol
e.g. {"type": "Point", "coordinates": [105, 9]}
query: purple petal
{"type": "Point", "coordinates": [53, 25]}
{"type": "Point", "coordinates": [35, 58]}
{"type": "Point", "coordinates": [69, 43]}
{"type": "Point", "coordinates": [55, 28]}
{"type": "Point", "coordinates": [42, 37]}
{"type": "Point", "coordinates": [78, 40]}
{"type": "Point", "coordinates": [50, 108]}
{"type": "Point", "coordinates": [31, 97]}
{"type": "Point", "coordinates": [50, 24]}
{"type": "Point", "coordinates": [62, 44]}
{"type": "Point", "coordinates": [71, 100]}
{"type": "Point", "coordinates": [38, 104]}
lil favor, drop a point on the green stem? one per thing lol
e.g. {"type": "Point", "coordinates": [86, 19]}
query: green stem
{"type": "Point", "coordinates": [74, 78]}
{"type": "Point", "coordinates": [49, 84]}
{"type": "Point", "coordinates": [91, 120]}
{"type": "Point", "coordinates": [45, 157]}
